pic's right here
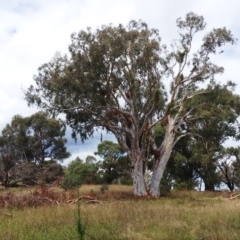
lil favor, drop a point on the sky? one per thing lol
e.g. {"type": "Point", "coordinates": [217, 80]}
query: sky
{"type": "Point", "coordinates": [32, 31]}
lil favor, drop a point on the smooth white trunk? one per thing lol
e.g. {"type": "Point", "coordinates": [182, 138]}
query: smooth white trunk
{"type": "Point", "coordinates": [139, 185]}
{"type": "Point", "coordinates": [160, 165]}
{"type": "Point", "coordinates": [157, 175]}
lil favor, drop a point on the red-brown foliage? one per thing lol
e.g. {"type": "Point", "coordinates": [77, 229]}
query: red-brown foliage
{"type": "Point", "coordinates": [39, 197]}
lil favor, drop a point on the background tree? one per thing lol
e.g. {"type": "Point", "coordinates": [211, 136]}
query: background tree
{"type": "Point", "coordinates": [219, 124]}
{"type": "Point", "coordinates": [79, 172]}
{"type": "Point", "coordinates": [33, 139]}
{"type": "Point", "coordinates": [198, 156]}
{"type": "Point", "coordinates": [113, 79]}
{"type": "Point", "coordinates": [115, 164]}
{"type": "Point", "coordinates": [90, 159]}
{"type": "Point", "coordinates": [182, 166]}
{"type": "Point", "coordinates": [226, 169]}
{"type": "Point", "coordinates": [9, 154]}
{"type": "Point", "coordinates": [236, 166]}
{"type": "Point", "coordinates": [28, 174]}
{"type": "Point", "coordinates": [39, 137]}
{"type": "Point", "coordinates": [45, 138]}
{"type": "Point", "coordinates": [229, 167]}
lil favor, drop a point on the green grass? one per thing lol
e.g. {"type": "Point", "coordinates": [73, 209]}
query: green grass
{"type": "Point", "coordinates": [182, 215]}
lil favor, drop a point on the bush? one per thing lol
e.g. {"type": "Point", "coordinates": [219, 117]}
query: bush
{"type": "Point", "coordinates": [71, 181]}
{"type": "Point", "coordinates": [103, 188]}
{"type": "Point", "coordinates": [29, 174]}
{"type": "Point", "coordinates": [79, 172]}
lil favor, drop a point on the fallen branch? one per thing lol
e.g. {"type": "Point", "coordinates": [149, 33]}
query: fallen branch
{"type": "Point", "coordinates": [93, 201]}
{"type": "Point", "coordinates": [234, 197]}
{"type": "Point", "coordinates": [51, 200]}
{"type": "Point", "coordinates": [80, 198]}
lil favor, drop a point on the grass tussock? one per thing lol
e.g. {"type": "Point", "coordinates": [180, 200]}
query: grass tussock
{"type": "Point", "coordinates": [120, 216]}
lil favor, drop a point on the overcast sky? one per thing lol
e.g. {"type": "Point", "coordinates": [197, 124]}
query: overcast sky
{"type": "Point", "coordinates": [32, 31]}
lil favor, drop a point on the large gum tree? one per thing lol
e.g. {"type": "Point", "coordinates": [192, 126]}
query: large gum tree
{"type": "Point", "coordinates": [114, 77]}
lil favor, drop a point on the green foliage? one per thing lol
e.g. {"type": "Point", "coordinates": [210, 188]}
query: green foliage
{"type": "Point", "coordinates": [219, 109]}
{"type": "Point", "coordinates": [180, 56]}
{"type": "Point", "coordinates": [188, 185]}
{"type": "Point", "coordinates": [113, 167]}
{"type": "Point", "coordinates": [115, 164]}
{"type": "Point", "coordinates": [73, 176]}
{"type": "Point", "coordinates": [199, 155]}
{"type": "Point", "coordinates": [31, 139]}
{"type": "Point", "coordinates": [86, 75]}
{"type": "Point", "coordinates": [37, 137]}
{"type": "Point", "coordinates": [166, 184]}
{"type": "Point", "coordinates": [79, 172]}
{"type": "Point", "coordinates": [45, 138]}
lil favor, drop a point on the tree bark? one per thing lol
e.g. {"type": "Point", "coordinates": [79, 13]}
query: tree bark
{"type": "Point", "coordinates": [230, 186]}
{"type": "Point", "coordinates": [5, 182]}
{"type": "Point", "coordinates": [209, 186]}
{"type": "Point", "coordinates": [160, 164]}
{"type": "Point", "coordinates": [139, 185]}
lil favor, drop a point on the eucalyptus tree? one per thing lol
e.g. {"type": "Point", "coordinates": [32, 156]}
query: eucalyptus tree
{"type": "Point", "coordinates": [229, 167]}
{"type": "Point", "coordinates": [181, 166]}
{"type": "Point", "coordinates": [27, 142]}
{"type": "Point", "coordinates": [201, 155]}
{"type": "Point", "coordinates": [220, 122]}
{"type": "Point", "coordinates": [236, 166]}
{"type": "Point", "coordinates": [46, 138]}
{"type": "Point", "coordinates": [9, 154]}
{"type": "Point", "coordinates": [37, 138]}
{"type": "Point", "coordinates": [226, 170]}
{"type": "Point", "coordinates": [113, 78]}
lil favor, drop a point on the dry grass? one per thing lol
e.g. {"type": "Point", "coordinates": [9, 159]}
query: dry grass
{"type": "Point", "coordinates": [182, 215]}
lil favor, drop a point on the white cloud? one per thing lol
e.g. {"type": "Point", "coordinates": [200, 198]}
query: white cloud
{"type": "Point", "coordinates": [32, 31]}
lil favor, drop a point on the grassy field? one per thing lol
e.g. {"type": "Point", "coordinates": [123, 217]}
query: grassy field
{"type": "Point", "coordinates": [51, 215]}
